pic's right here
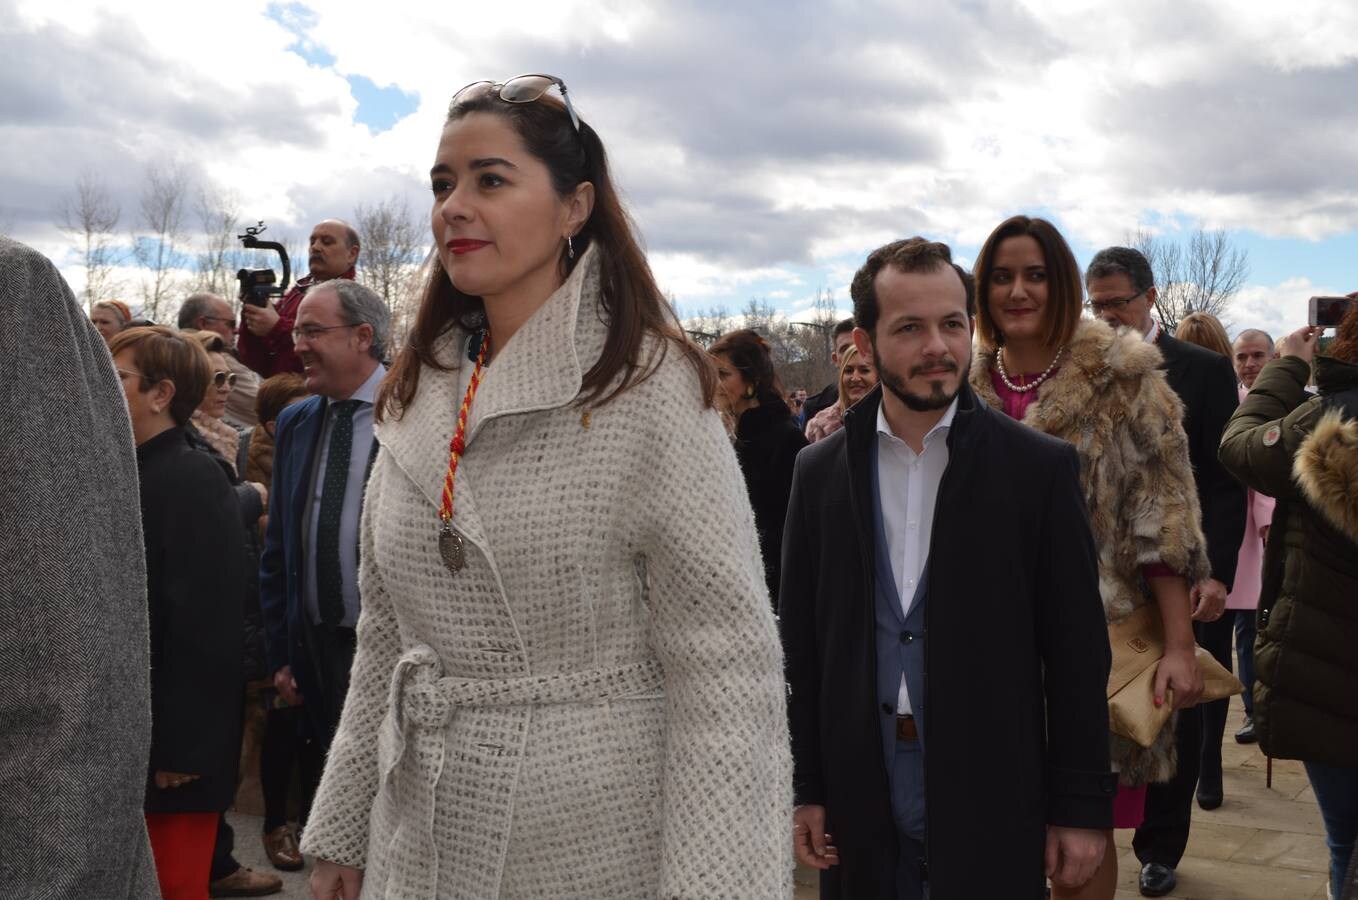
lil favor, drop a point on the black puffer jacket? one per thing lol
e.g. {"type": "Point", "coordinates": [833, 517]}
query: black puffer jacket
{"type": "Point", "coordinates": [1303, 450]}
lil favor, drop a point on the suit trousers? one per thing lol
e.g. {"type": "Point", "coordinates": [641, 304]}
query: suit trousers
{"type": "Point", "coordinates": [907, 809]}
{"type": "Point", "coordinates": [1163, 834]}
{"type": "Point", "coordinates": [331, 648]}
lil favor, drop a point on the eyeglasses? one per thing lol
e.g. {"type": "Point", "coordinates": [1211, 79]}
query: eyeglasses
{"type": "Point", "coordinates": [1098, 307]}
{"type": "Point", "coordinates": [123, 373]}
{"type": "Point", "coordinates": [312, 332]}
{"type": "Point", "coordinates": [524, 89]}
{"type": "Point", "coordinates": [230, 323]}
{"type": "Point", "coordinates": [224, 380]}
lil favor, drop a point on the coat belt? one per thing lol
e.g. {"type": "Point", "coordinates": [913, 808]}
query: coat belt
{"type": "Point", "coordinates": [422, 705]}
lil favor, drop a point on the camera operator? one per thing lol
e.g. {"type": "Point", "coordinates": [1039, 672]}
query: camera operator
{"type": "Point", "coordinates": [265, 343]}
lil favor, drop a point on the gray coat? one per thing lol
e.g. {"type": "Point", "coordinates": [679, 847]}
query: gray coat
{"type": "Point", "coordinates": [75, 715]}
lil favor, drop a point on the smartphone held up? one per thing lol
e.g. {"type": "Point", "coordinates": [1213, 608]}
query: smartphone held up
{"type": "Point", "coordinates": [1327, 312]}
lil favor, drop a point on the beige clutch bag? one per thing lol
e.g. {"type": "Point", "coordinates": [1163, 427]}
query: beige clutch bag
{"type": "Point", "coordinates": [1138, 643]}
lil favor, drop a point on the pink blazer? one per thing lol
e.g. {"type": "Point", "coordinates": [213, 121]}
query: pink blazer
{"type": "Point", "coordinates": [1250, 564]}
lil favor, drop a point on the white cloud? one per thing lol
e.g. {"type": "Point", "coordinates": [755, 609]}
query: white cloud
{"type": "Point", "coordinates": [754, 141]}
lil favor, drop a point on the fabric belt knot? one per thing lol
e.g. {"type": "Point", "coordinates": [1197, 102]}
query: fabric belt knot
{"type": "Point", "coordinates": [423, 703]}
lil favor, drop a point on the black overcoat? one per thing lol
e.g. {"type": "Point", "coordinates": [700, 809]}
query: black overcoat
{"type": "Point", "coordinates": [767, 442]}
{"type": "Point", "coordinates": [1206, 384]}
{"type": "Point", "coordinates": [196, 575]}
{"type": "Point", "coordinates": [1016, 659]}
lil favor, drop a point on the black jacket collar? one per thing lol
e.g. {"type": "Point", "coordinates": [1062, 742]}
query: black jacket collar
{"type": "Point", "coordinates": [860, 420]}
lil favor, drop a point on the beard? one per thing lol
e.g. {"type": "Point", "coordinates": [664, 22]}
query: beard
{"type": "Point", "coordinates": [937, 398]}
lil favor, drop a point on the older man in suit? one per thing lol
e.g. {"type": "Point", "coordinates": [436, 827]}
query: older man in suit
{"type": "Point", "coordinates": [323, 454]}
{"type": "Point", "coordinates": [1121, 288]}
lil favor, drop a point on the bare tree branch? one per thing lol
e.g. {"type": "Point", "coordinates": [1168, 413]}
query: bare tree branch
{"type": "Point", "coordinates": [1201, 278]}
{"type": "Point", "coordinates": [158, 249]}
{"type": "Point", "coordinates": [91, 216]}
{"type": "Point", "coordinates": [392, 251]}
{"type": "Point", "coordinates": [218, 212]}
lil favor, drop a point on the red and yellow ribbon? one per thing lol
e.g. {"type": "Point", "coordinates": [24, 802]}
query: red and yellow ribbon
{"type": "Point", "coordinates": [459, 442]}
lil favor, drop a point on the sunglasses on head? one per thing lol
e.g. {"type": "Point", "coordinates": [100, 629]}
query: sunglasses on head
{"type": "Point", "coordinates": [223, 380]}
{"type": "Point", "coordinates": [521, 89]}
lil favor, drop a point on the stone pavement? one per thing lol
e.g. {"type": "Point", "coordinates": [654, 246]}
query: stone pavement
{"type": "Point", "coordinates": [1262, 844]}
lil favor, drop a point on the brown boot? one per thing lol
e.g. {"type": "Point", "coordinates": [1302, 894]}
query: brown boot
{"type": "Point", "coordinates": [281, 848]}
{"type": "Point", "coordinates": [245, 882]}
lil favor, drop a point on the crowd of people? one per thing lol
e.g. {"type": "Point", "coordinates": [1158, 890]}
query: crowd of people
{"type": "Point", "coordinates": [543, 599]}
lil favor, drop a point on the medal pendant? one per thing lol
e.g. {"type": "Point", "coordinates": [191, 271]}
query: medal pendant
{"type": "Point", "coordinates": [452, 549]}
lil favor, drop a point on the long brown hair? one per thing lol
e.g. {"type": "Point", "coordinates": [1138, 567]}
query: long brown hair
{"type": "Point", "coordinates": [1065, 292]}
{"type": "Point", "coordinates": [633, 304]}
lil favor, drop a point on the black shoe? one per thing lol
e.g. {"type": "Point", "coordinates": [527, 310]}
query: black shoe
{"type": "Point", "coordinates": [1157, 880]}
{"type": "Point", "coordinates": [1208, 798]}
{"type": "Point", "coordinates": [1246, 735]}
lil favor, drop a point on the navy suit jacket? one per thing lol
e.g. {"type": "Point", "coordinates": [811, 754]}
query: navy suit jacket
{"type": "Point", "coordinates": [282, 564]}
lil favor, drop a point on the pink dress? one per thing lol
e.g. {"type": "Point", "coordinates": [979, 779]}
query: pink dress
{"type": "Point", "coordinates": [1250, 564]}
{"type": "Point", "coordinates": [1129, 805]}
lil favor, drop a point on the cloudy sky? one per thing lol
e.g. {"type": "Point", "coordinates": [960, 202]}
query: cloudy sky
{"type": "Point", "coordinates": [764, 147]}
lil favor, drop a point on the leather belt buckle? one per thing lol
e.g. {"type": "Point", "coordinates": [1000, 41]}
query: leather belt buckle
{"type": "Point", "coordinates": [906, 730]}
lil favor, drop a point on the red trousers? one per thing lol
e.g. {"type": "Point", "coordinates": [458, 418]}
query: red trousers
{"type": "Point", "coordinates": [182, 845]}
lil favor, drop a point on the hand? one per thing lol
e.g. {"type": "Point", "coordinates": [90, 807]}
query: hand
{"type": "Point", "coordinates": [286, 685]}
{"type": "Point", "coordinates": [1178, 671]}
{"type": "Point", "coordinates": [331, 880]}
{"type": "Point", "coordinates": [167, 780]}
{"type": "Point", "coordinates": [1300, 343]}
{"type": "Point", "coordinates": [809, 839]}
{"type": "Point", "coordinates": [259, 319]}
{"type": "Point", "coordinates": [1209, 600]}
{"type": "Point", "coordinates": [1073, 854]}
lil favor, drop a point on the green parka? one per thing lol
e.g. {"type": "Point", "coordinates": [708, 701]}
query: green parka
{"type": "Point", "coordinates": [1303, 450]}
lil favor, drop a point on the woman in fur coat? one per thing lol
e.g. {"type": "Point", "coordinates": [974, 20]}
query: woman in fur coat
{"type": "Point", "coordinates": [568, 680]}
{"type": "Point", "coordinates": [1102, 391]}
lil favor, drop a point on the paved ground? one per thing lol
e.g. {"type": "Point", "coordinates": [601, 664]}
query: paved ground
{"type": "Point", "coordinates": [1262, 844]}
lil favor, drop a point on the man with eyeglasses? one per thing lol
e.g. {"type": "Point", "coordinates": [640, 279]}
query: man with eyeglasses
{"type": "Point", "coordinates": [266, 343]}
{"type": "Point", "coordinates": [209, 312]}
{"type": "Point", "coordinates": [323, 453]}
{"type": "Point", "coordinates": [1121, 288]}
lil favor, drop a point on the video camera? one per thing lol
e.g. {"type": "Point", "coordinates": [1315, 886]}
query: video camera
{"type": "Point", "coordinates": [258, 285]}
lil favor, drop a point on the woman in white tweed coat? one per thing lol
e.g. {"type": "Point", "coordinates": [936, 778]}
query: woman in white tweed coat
{"type": "Point", "coordinates": [593, 704]}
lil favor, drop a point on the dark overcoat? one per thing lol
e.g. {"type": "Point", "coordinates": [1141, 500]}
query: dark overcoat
{"type": "Point", "coordinates": [1206, 384]}
{"type": "Point", "coordinates": [767, 441]}
{"type": "Point", "coordinates": [195, 575]}
{"type": "Point", "coordinates": [1016, 659]}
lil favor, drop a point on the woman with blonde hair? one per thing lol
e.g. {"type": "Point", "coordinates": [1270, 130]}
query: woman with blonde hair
{"type": "Point", "coordinates": [1205, 330]}
{"type": "Point", "coordinates": [568, 678]}
{"type": "Point", "coordinates": [857, 376]}
{"type": "Point", "coordinates": [110, 317]}
{"type": "Point", "coordinates": [1104, 392]}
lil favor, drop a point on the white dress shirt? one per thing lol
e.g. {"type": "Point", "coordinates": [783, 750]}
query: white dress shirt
{"type": "Point", "coordinates": [908, 483]}
{"type": "Point", "coordinates": [1152, 333]}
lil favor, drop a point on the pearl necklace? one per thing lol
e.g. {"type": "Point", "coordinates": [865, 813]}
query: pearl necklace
{"type": "Point", "coordinates": [1031, 386]}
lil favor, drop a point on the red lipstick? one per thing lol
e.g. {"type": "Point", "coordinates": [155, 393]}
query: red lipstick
{"type": "Point", "coordinates": [465, 245]}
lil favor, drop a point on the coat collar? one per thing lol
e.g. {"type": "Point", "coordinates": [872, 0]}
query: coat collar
{"type": "Point", "coordinates": [1095, 356]}
{"type": "Point", "coordinates": [540, 368]}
